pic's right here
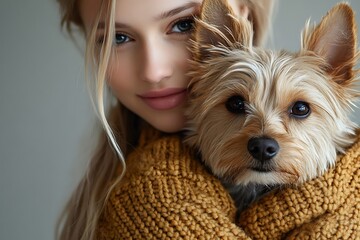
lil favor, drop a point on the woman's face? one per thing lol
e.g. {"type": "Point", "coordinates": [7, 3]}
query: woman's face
{"type": "Point", "coordinates": [147, 71]}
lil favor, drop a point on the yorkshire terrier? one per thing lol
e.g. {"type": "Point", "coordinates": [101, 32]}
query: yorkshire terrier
{"type": "Point", "coordinates": [264, 119]}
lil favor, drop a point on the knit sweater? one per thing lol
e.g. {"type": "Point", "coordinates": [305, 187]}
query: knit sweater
{"type": "Point", "coordinates": [327, 207]}
{"type": "Point", "coordinates": [167, 194]}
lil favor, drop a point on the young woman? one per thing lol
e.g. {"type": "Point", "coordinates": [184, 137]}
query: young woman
{"type": "Point", "coordinates": [142, 182]}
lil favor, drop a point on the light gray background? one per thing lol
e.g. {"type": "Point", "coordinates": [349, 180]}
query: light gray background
{"type": "Point", "coordinates": [46, 121]}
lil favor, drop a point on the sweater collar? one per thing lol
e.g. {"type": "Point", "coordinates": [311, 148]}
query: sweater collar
{"type": "Point", "coordinates": [148, 134]}
{"type": "Point", "coordinates": [284, 210]}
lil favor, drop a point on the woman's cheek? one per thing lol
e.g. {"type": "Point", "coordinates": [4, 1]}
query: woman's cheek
{"type": "Point", "coordinates": [182, 57]}
{"type": "Point", "coordinates": [120, 75]}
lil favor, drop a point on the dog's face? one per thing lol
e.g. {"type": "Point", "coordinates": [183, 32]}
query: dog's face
{"type": "Point", "coordinates": [271, 117]}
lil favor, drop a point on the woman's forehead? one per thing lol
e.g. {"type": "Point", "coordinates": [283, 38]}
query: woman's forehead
{"type": "Point", "coordinates": [129, 11]}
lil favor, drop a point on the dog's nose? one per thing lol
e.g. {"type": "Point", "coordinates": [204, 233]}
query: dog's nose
{"type": "Point", "coordinates": [263, 148]}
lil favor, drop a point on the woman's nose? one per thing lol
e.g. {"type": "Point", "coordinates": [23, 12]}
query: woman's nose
{"type": "Point", "coordinates": [157, 64]}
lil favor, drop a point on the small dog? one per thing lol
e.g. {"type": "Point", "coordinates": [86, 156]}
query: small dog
{"type": "Point", "coordinates": [262, 119]}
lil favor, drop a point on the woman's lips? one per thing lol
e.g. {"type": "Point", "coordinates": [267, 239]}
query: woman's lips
{"type": "Point", "coordinates": [164, 99]}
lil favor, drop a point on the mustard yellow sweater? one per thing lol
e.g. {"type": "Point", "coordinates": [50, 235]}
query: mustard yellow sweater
{"type": "Point", "coordinates": [167, 194]}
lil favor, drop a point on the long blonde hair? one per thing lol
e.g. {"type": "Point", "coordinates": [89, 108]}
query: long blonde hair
{"type": "Point", "coordinates": [82, 212]}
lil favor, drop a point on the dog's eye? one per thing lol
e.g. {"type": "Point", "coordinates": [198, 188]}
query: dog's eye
{"type": "Point", "coordinates": [300, 110]}
{"type": "Point", "coordinates": [235, 104]}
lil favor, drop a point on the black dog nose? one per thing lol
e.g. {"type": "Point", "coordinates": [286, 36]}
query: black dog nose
{"type": "Point", "coordinates": [263, 148]}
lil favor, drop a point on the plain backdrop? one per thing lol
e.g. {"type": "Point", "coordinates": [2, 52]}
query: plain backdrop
{"type": "Point", "coordinates": [47, 126]}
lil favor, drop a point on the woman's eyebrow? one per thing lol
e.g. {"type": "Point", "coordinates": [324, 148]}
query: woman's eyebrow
{"type": "Point", "coordinates": [167, 14]}
{"type": "Point", "coordinates": [101, 25]}
{"type": "Point", "coordinates": [177, 10]}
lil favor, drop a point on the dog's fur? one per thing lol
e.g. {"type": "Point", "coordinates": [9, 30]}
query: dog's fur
{"type": "Point", "coordinates": [262, 119]}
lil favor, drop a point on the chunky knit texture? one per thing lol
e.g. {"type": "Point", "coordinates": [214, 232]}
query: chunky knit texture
{"type": "Point", "coordinates": [327, 207]}
{"type": "Point", "coordinates": [167, 194]}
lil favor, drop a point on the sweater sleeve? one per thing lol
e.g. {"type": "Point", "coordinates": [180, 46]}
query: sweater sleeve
{"type": "Point", "coordinates": [168, 195]}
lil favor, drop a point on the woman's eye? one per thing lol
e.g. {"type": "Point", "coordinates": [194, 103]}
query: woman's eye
{"type": "Point", "coordinates": [121, 38]}
{"type": "Point", "coordinates": [300, 110]}
{"type": "Point", "coordinates": [183, 25]}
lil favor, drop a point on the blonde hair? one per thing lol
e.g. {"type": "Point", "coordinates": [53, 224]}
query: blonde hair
{"type": "Point", "coordinates": [82, 212]}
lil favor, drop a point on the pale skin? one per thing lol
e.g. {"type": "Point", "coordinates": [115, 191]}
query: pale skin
{"type": "Point", "coordinates": [148, 73]}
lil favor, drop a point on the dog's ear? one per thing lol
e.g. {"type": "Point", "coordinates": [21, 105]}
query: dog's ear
{"type": "Point", "coordinates": [217, 26]}
{"type": "Point", "coordinates": [334, 39]}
